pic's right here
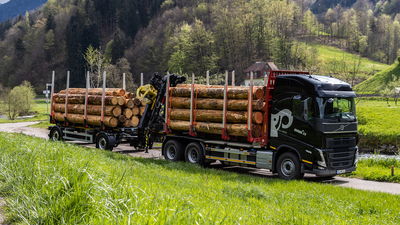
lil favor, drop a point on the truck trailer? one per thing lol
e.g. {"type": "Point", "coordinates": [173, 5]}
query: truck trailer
{"type": "Point", "coordinates": [309, 126]}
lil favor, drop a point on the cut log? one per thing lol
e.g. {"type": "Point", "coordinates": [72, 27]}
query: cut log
{"type": "Point", "coordinates": [129, 95]}
{"type": "Point", "coordinates": [80, 99]}
{"type": "Point", "coordinates": [137, 102]}
{"type": "Point", "coordinates": [95, 91]}
{"type": "Point", "coordinates": [134, 122]}
{"type": "Point", "coordinates": [122, 119]}
{"type": "Point", "coordinates": [239, 130]}
{"type": "Point", "coordinates": [141, 110]}
{"type": "Point", "coordinates": [136, 111]}
{"type": "Point", "coordinates": [128, 113]}
{"type": "Point", "coordinates": [215, 116]}
{"type": "Point", "coordinates": [109, 121]}
{"type": "Point", "coordinates": [129, 103]}
{"type": "Point", "coordinates": [121, 100]}
{"type": "Point", "coordinates": [114, 111]}
{"type": "Point", "coordinates": [218, 104]}
{"type": "Point", "coordinates": [204, 91]}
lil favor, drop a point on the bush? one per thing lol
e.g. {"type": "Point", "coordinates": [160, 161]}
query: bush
{"type": "Point", "coordinates": [19, 100]}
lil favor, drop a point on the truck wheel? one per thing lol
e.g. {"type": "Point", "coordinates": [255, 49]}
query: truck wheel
{"type": "Point", "coordinates": [55, 134]}
{"type": "Point", "coordinates": [289, 166]}
{"type": "Point", "coordinates": [173, 151]}
{"type": "Point", "coordinates": [194, 153]}
{"type": "Point", "coordinates": [105, 142]}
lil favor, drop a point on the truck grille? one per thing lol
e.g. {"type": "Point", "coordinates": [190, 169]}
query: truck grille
{"type": "Point", "coordinates": [341, 142]}
{"type": "Point", "coordinates": [341, 158]}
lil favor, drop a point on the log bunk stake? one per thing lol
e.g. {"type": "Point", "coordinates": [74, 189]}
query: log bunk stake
{"type": "Point", "coordinates": [103, 97]}
{"type": "Point", "coordinates": [86, 97]}
{"type": "Point", "coordinates": [224, 134]}
{"type": "Point", "coordinates": [51, 97]}
{"type": "Point", "coordinates": [192, 131]}
{"type": "Point", "coordinates": [66, 101]}
{"type": "Point", "coordinates": [167, 106]}
{"type": "Point", "coordinates": [250, 110]}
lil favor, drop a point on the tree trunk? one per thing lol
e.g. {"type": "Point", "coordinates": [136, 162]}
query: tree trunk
{"type": "Point", "coordinates": [109, 121]}
{"type": "Point", "coordinates": [141, 110]}
{"type": "Point", "coordinates": [217, 104]}
{"type": "Point", "coordinates": [216, 116]}
{"type": "Point", "coordinates": [133, 122]}
{"type": "Point", "coordinates": [217, 91]}
{"type": "Point", "coordinates": [239, 130]}
{"type": "Point", "coordinates": [114, 111]}
{"type": "Point", "coordinates": [80, 99]}
{"type": "Point", "coordinates": [95, 91]}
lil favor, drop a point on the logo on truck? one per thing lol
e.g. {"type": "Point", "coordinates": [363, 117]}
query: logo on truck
{"type": "Point", "coordinates": [277, 121]}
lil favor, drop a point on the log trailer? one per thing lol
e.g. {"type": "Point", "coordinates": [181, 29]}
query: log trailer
{"type": "Point", "coordinates": [310, 126]}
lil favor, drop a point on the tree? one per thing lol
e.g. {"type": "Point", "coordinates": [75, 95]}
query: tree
{"type": "Point", "coordinates": [96, 62]}
{"type": "Point", "coordinates": [115, 75]}
{"type": "Point", "coordinates": [19, 100]}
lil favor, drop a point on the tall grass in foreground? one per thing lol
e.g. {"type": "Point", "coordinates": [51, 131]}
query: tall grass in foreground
{"type": "Point", "coordinates": [57, 183]}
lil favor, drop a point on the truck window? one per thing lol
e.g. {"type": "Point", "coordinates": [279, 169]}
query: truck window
{"type": "Point", "coordinates": [304, 109]}
{"type": "Point", "coordinates": [285, 103]}
{"type": "Point", "coordinates": [342, 109]}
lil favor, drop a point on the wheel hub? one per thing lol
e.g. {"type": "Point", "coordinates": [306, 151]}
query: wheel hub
{"type": "Point", "coordinates": [171, 152]}
{"type": "Point", "coordinates": [56, 136]}
{"type": "Point", "coordinates": [288, 167]}
{"type": "Point", "coordinates": [102, 143]}
{"type": "Point", "coordinates": [193, 156]}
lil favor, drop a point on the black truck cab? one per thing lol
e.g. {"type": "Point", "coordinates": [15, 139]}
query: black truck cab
{"type": "Point", "coordinates": [314, 117]}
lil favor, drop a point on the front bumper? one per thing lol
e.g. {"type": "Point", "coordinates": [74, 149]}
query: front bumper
{"type": "Point", "coordinates": [331, 172]}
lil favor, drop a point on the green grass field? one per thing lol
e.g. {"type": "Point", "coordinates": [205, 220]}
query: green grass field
{"type": "Point", "coordinates": [57, 183]}
{"type": "Point", "coordinates": [40, 110]}
{"type": "Point", "coordinates": [328, 54]}
{"type": "Point", "coordinates": [380, 80]}
{"type": "Point", "coordinates": [378, 170]}
{"type": "Point", "coordinates": [378, 122]}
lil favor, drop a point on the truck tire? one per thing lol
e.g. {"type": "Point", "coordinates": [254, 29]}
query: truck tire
{"type": "Point", "coordinates": [289, 166]}
{"type": "Point", "coordinates": [173, 150]}
{"type": "Point", "coordinates": [194, 153]}
{"type": "Point", "coordinates": [105, 142]}
{"type": "Point", "coordinates": [55, 134]}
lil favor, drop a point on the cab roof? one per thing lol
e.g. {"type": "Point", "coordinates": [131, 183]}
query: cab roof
{"type": "Point", "coordinates": [322, 86]}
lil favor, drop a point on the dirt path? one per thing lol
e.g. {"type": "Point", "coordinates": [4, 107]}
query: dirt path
{"type": "Point", "coordinates": [392, 188]}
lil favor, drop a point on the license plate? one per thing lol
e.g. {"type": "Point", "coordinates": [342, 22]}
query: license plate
{"type": "Point", "coordinates": [340, 171]}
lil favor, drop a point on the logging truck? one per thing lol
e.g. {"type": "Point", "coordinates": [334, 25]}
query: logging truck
{"type": "Point", "coordinates": [295, 123]}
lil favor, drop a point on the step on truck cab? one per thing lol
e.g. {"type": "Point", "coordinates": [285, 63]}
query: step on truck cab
{"type": "Point", "coordinates": [310, 127]}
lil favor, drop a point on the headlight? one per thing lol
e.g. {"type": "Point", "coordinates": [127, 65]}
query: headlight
{"type": "Point", "coordinates": [322, 161]}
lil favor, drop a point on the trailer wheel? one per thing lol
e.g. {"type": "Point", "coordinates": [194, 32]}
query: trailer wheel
{"type": "Point", "coordinates": [289, 166]}
{"type": "Point", "coordinates": [194, 154]}
{"type": "Point", "coordinates": [173, 150]}
{"type": "Point", "coordinates": [55, 134]}
{"type": "Point", "coordinates": [105, 142]}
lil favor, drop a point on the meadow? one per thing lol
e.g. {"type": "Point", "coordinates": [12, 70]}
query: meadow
{"type": "Point", "coordinates": [327, 55]}
{"type": "Point", "coordinates": [57, 183]}
{"type": "Point", "coordinates": [378, 123]}
{"type": "Point", "coordinates": [378, 170]}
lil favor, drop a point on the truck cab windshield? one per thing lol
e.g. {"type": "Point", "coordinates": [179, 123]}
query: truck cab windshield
{"type": "Point", "coordinates": [338, 109]}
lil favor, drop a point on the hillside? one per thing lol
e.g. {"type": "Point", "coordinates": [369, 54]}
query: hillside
{"type": "Point", "coordinates": [381, 80]}
{"type": "Point", "coordinates": [14, 8]}
{"type": "Point", "coordinates": [347, 66]}
{"type": "Point", "coordinates": [185, 37]}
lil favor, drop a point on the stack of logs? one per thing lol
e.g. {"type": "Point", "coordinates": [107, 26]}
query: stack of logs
{"type": "Point", "coordinates": [121, 109]}
{"type": "Point", "coordinates": [208, 109]}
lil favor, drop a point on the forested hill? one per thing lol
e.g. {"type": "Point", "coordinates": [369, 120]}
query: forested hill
{"type": "Point", "coordinates": [57, 36]}
{"type": "Point", "coordinates": [390, 7]}
{"type": "Point", "coordinates": [14, 8]}
{"type": "Point", "coordinates": [191, 36]}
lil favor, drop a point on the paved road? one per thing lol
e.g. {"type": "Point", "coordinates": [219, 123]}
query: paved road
{"type": "Point", "coordinates": [392, 188]}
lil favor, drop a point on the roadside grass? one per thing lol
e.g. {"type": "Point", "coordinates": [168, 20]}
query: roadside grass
{"type": "Point", "coordinates": [378, 170]}
{"type": "Point", "coordinates": [40, 110]}
{"type": "Point", "coordinates": [57, 183]}
{"type": "Point", "coordinates": [379, 124]}
{"type": "Point", "coordinates": [329, 54]}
